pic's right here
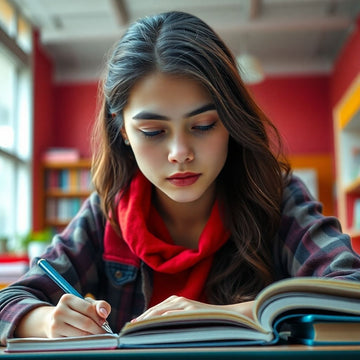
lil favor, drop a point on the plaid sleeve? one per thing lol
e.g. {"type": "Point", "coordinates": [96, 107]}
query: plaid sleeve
{"type": "Point", "coordinates": [75, 253]}
{"type": "Point", "coordinates": [309, 243]}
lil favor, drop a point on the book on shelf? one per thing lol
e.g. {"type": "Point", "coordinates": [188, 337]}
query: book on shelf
{"type": "Point", "coordinates": [62, 209]}
{"type": "Point", "coordinates": [305, 310]}
{"type": "Point", "coordinates": [68, 180]}
{"type": "Point", "coordinates": [12, 266]}
{"type": "Point", "coordinates": [58, 154]}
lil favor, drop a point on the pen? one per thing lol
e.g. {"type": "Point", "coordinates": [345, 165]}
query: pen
{"type": "Point", "coordinates": [63, 284]}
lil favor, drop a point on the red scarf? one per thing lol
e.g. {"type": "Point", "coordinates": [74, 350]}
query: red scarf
{"type": "Point", "coordinates": [177, 270]}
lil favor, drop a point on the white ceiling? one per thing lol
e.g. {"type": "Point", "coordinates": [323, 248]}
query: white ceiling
{"type": "Point", "coordinates": [287, 36]}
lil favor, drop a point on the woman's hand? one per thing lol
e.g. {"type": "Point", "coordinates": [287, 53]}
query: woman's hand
{"type": "Point", "coordinates": [72, 316]}
{"type": "Point", "coordinates": [175, 304]}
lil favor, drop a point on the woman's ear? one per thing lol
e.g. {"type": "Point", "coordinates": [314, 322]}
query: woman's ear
{"type": "Point", "coordinates": [124, 136]}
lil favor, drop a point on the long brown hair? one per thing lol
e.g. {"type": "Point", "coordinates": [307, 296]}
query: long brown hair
{"type": "Point", "coordinates": [251, 183]}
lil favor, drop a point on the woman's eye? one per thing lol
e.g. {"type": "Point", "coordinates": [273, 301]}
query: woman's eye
{"type": "Point", "coordinates": [151, 134]}
{"type": "Point", "coordinates": [204, 127]}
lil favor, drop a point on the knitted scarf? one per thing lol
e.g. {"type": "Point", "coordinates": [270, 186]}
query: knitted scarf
{"type": "Point", "coordinates": [177, 270]}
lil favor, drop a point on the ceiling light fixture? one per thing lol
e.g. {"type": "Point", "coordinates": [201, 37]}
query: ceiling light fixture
{"type": "Point", "coordinates": [250, 69]}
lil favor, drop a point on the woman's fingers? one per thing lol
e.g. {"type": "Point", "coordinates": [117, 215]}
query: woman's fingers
{"type": "Point", "coordinates": [171, 305]}
{"type": "Point", "coordinates": [175, 304]}
{"type": "Point", "coordinates": [67, 322]}
{"type": "Point", "coordinates": [103, 309]}
{"type": "Point", "coordinates": [76, 317]}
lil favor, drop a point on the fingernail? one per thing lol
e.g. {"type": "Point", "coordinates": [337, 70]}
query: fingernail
{"type": "Point", "coordinates": [103, 312]}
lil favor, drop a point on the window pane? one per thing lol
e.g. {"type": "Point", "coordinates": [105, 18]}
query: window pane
{"type": "Point", "coordinates": [7, 16]}
{"type": "Point", "coordinates": [24, 35]}
{"type": "Point", "coordinates": [15, 129]}
{"type": "Point", "coordinates": [7, 200]}
{"type": "Point", "coordinates": [15, 201]}
{"type": "Point", "coordinates": [23, 130]}
{"type": "Point", "coordinates": [7, 104]}
{"type": "Point", "coordinates": [23, 201]}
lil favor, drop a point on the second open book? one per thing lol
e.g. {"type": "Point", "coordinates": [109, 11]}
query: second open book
{"type": "Point", "coordinates": [307, 310]}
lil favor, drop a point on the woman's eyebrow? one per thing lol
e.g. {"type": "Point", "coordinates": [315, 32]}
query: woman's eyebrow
{"type": "Point", "coordinates": [147, 115]}
{"type": "Point", "coordinates": [201, 110]}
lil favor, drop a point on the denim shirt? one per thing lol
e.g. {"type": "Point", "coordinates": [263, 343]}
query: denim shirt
{"type": "Point", "coordinates": [307, 244]}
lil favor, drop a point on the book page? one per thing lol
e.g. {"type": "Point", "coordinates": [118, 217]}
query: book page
{"type": "Point", "coordinates": [310, 292]}
{"type": "Point", "coordinates": [88, 342]}
{"type": "Point", "coordinates": [196, 317]}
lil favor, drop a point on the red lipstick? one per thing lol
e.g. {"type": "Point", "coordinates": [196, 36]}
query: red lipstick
{"type": "Point", "coordinates": [183, 179]}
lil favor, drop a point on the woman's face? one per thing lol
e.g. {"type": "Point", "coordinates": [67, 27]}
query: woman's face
{"type": "Point", "coordinates": [176, 135]}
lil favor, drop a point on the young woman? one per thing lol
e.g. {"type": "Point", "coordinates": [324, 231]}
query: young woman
{"type": "Point", "coordinates": [195, 205]}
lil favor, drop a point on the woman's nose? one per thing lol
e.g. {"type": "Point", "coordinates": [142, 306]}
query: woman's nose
{"type": "Point", "coordinates": [180, 151]}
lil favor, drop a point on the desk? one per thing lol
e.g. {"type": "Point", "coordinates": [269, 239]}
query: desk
{"type": "Point", "coordinates": [277, 352]}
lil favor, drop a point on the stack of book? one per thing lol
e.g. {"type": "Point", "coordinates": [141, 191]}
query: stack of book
{"type": "Point", "coordinates": [61, 155]}
{"type": "Point", "coordinates": [12, 267]}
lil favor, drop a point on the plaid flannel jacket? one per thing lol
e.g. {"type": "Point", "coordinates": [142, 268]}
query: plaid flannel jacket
{"type": "Point", "coordinates": [307, 244]}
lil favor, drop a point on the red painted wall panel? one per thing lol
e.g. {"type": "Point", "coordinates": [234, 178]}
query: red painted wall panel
{"type": "Point", "coordinates": [347, 66]}
{"type": "Point", "coordinates": [75, 111]}
{"type": "Point", "coordinates": [300, 108]}
{"type": "Point", "coordinates": [43, 134]}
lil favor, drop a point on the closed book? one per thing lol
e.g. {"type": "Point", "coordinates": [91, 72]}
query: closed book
{"type": "Point", "coordinates": [278, 315]}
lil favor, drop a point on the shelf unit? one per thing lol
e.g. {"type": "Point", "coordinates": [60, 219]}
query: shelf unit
{"type": "Point", "coordinates": [347, 158]}
{"type": "Point", "coordinates": [65, 186]}
{"type": "Point", "coordinates": [323, 165]}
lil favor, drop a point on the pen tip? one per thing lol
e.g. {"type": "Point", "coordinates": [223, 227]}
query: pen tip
{"type": "Point", "coordinates": [107, 328]}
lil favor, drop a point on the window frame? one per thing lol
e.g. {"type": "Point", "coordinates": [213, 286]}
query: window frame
{"type": "Point", "coordinates": [21, 161]}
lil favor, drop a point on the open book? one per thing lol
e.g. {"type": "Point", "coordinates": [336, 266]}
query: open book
{"type": "Point", "coordinates": [308, 310]}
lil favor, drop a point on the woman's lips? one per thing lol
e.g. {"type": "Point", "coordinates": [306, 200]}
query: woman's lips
{"type": "Point", "coordinates": [183, 179]}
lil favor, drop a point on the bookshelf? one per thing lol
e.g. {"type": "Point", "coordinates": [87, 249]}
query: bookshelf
{"type": "Point", "coordinates": [323, 166]}
{"type": "Point", "coordinates": [347, 158]}
{"type": "Point", "coordinates": [65, 186]}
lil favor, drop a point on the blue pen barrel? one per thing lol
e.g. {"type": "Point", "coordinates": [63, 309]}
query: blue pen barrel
{"type": "Point", "coordinates": [64, 285]}
{"type": "Point", "coordinates": [57, 278]}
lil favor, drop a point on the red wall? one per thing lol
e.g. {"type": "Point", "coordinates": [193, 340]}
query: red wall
{"type": "Point", "coordinates": [43, 134]}
{"type": "Point", "coordinates": [347, 66]}
{"type": "Point", "coordinates": [75, 106]}
{"type": "Point", "coordinates": [300, 108]}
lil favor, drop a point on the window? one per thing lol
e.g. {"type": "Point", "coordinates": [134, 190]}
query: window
{"type": "Point", "coordinates": [15, 124]}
